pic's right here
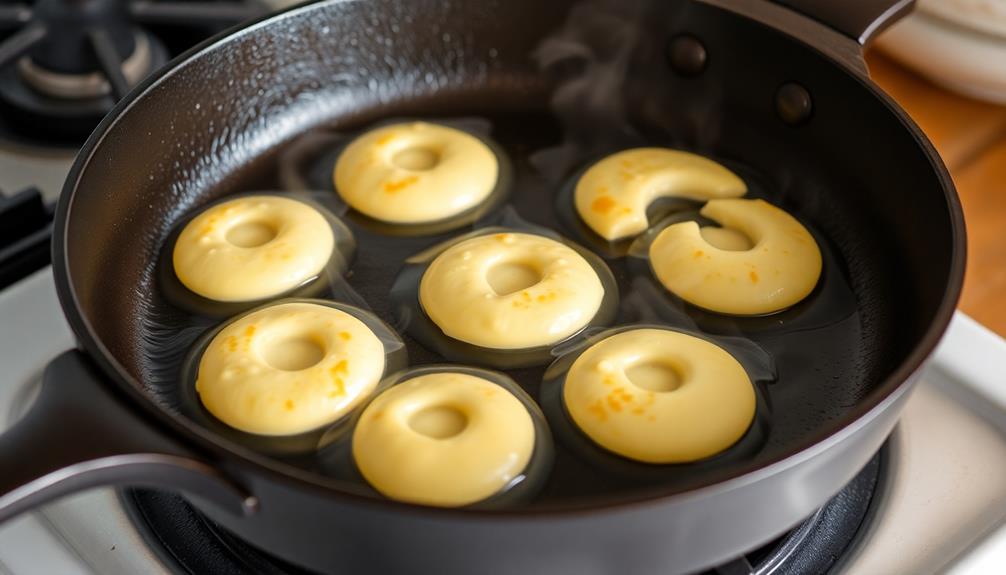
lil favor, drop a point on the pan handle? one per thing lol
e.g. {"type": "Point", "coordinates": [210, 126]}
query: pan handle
{"type": "Point", "coordinates": [78, 434]}
{"type": "Point", "coordinates": [860, 20]}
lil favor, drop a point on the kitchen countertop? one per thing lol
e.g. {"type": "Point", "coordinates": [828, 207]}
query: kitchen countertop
{"type": "Point", "coordinates": [971, 137]}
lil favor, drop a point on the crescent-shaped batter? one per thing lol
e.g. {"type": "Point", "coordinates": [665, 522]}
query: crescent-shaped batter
{"type": "Point", "coordinates": [510, 291]}
{"type": "Point", "coordinates": [252, 248]}
{"type": "Point", "coordinates": [446, 439]}
{"type": "Point", "coordinates": [415, 173]}
{"type": "Point", "coordinates": [779, 268]}
{"type": "Point", "coordinates": [289, 368]}
{"type": "Point", "coordinates": [659, 396]}
{"type": "Point", "coordinates": [613, 194]}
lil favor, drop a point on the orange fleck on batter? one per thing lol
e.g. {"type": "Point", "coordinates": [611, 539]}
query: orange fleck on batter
{"type": "Point", "coordinates": [598, 409]}
{"type": "Point", "coordinates": [337, 383]}
{"type": "Point", "coordinates": [754, 276]}
{"type": "Point", "coordinates": [288, 405]}
{"type": "Point", "coordinates": [603, 204]}
{"type": "Point", "coordinates": [613, 403]}
{"type": "Point", "coordinates": [392, 187]}
{"type": "Point", "coordinates": [345, 335]}
{"type": "Point", "coordinates": [249, 333]}
{"type": "Point", "coordinates": [699, 254]}
{"type": "Point", "coordinates": [341, 367]}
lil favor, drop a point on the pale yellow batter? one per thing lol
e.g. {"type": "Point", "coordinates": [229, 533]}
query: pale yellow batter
{"type": "Point", "coordinates": [289, 368]}
{"type": "Point", "coordinates": [445, 439]}
{"type": "Point", "coordinates": [613, 194]}
{"type": "Point", "coordinates": [415, 173]}
{"type": "Point", "coordinates": [659, 396]}
{"type": "Point", "coordinates": [252, 248]}
{"type": "Point", "coordinates": [775, 269]}
{"type": "Point", "coordinates": [510, 291]}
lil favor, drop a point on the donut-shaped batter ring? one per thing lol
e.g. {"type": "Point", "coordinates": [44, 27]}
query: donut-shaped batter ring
{"type": "Point", "coordinates": [446, 439]}
{"type": "Point", "coordinates": [558, 291]}
{"type": "Point", "coordinates": [252, 248]}
{"type": "Point", "coordinates": [781, 267]}
{"type": "Point", "coordinates": [415, 173]}
{"type": "Point", "coordinates": [613, 194]}
{"type": "Point", "coordinates": [289, 368]}
{"type": "Point", "coordinates": [659, 396]}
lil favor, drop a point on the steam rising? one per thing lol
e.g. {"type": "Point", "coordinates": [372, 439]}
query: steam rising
{"type": "Point", "coordinates": [612, 83]}
{"type": "Point", "coordinates": [589, 58]}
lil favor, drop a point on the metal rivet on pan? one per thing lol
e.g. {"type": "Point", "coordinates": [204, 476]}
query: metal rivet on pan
{"type": "Point", "coordinates": [793, 103]}
{"type": "Point", "coordinates": [687, 55]}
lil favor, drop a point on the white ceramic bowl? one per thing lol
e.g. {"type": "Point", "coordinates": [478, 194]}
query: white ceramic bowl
{"type": "Point", "coordinates": [960, 44]}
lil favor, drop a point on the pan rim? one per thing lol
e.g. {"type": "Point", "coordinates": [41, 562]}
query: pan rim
{"type": "Point", "coordinates": [888, 390]}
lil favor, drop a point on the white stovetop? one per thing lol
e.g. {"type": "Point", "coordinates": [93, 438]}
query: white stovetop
{"type": "Point", "coordinates": [943, 508]}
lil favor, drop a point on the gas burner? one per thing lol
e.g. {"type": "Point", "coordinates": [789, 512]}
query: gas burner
{"type": "Point", "coordinates": [68, 61]}
{"type": "Point", "coordinates": [191, 543]}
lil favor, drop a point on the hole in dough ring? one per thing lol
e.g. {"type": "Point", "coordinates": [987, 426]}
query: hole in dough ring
{"type": "Point", "coordinates": [780, 269]}
{"type": "Point", "coordinates": [289, 368]}
{"type": "Point", "coordinates": [706, 406]}
{"type": "Point", "coordinates": [559, 291]}
{"type": "Point", "coordinates": [415, 173]}
{"type": "Point", "coordinates": [484, 439]}
{"type": "Point", "coordinates": [252, 248]}
{"type": "Point", "coordinates": [612, 195]}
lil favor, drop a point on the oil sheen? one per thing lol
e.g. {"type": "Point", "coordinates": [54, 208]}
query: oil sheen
{"type": "Point", "coordinates": [809, 354]}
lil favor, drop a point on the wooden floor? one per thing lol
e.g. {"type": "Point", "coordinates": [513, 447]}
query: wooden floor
{"type": "Point", "coordinates": [971, 137]}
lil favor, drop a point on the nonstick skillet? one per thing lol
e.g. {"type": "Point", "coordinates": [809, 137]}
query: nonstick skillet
{"type": "Point", "coordinates": [782, 90]}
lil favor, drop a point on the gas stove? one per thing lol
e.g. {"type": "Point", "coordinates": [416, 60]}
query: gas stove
{"type": "Point", "coordinates": [64, 63]}
{"type": "Point", "coordinates": [933, 499]}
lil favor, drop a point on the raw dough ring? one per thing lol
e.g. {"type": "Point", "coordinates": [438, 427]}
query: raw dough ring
{"type": "Point", "coordinates": [252, 248]}
{"type": "Point", "coordinates": [613, 194]}
{"type": "Point", "coordinates": [558, 292]}
{"type": "Point", "coordinates": [704, 404]}
{"type": "Point", "coordinates": [415, 173]}
{"type": "Point", "coordinates": [780, 269]}
{"type": "Point", "coordinates": [445, 438]}
{"type": "Point", "coordinates": [289, 368]}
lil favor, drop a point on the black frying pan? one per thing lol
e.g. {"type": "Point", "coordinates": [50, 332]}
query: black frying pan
{"type": "Point", "coordinates": [777, 94]}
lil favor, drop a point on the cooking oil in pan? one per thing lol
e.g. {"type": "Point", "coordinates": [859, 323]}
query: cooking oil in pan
{"type": "Point", "coordinates": [814, 350]}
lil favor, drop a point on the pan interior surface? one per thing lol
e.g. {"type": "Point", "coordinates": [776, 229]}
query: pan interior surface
{"type": "Point", "coordinates": [577, 81]}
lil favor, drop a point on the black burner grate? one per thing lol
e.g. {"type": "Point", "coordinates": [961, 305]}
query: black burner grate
{"type": "Point", "coordinates": [25, 232]}
{"type": "Point", "coordinates": [194, 545]}
{"type": "Point", "coordinates": [65, 63]}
